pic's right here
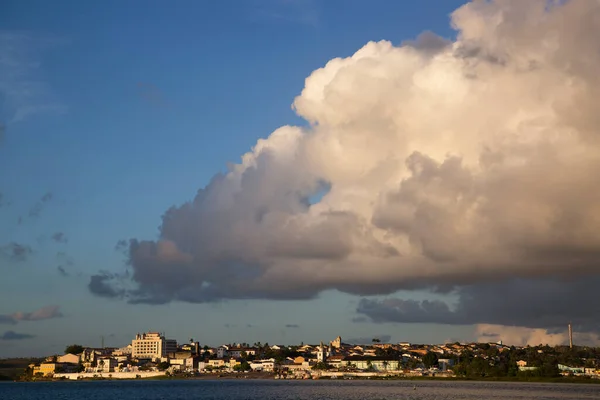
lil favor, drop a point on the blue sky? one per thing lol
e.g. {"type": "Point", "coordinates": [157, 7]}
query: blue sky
{"type": "Point", "coordinates": [122, 109]}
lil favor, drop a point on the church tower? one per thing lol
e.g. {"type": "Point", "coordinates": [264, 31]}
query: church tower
{"type": "Point", "coordinates": [337, 343]}
{"type": "Point", "coordinates": [321, 353]}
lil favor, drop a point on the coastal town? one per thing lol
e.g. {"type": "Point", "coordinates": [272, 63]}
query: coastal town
{"type": "Point", "coordinates": [153, 355]}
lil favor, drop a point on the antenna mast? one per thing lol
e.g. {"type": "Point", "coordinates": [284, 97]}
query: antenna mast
{"type": "Point", "coordinates": [570, 336]}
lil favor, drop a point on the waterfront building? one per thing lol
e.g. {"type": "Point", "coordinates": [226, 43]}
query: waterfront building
{"type": "Point", "coordinates": [152, 345]}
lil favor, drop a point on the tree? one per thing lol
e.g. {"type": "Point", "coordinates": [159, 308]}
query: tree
{"type": "Point", "coordinates": [483, 346]}
{"type": "Point", "coordinates": [412, 364]}
{"type": "Point", "coordinates": [477, 368]}
{"type": "Point", "coordinates": [74, 349]}
{"type": "Point", "coordinates": [320, 366]}
{"type": "Point", "coordinates": [387, 352]}
{"type": "Point", "coordinates": [243, 366]}
{"type": "Point", "coordinates": [550, 369]}
{"type": "Point", "coordinates": [430, 359]}
{"type": "Point", "coordinates": [27, 374]}
{"type": "Point", "coordinates": [163, 366]}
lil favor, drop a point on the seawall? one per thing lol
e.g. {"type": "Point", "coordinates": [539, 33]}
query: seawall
{"type": "Point", "coordinates": [109, 375]}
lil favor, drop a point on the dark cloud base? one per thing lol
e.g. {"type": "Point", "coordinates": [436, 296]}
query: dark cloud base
{"type": "Point", "coordinates": [534, 303]}
{"type": "Point", "coordinates": [100, 285]}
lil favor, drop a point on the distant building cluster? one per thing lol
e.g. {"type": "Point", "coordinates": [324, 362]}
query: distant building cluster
{"type": "Point", "coordinates": [152, 352]}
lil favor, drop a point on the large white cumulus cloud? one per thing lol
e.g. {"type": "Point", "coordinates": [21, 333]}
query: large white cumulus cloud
{"type": "Point", "coordinates": [447, 163]}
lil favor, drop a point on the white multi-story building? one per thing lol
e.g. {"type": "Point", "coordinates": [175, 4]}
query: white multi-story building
{"type": "Point", "coordinates": [263, 365]}
{"type": "Point", "coordinates": [106, 364]}
{"type": "Point", "coordinates": [152, 345]}
{"type": "Point", "coordinates": [222, 351]}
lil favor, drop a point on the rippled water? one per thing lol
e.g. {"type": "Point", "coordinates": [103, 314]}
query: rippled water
{"type": "Point", "coordinates": [294, 390]}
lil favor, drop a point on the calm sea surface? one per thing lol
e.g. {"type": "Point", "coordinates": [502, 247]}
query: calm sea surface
{"type": "Point", "coordinates": [293, 390]}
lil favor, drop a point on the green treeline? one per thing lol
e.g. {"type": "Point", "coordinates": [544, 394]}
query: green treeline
{"type": "Point", "coordinates": [493, 362]}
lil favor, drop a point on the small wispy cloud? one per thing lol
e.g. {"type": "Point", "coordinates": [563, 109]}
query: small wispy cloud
{"type": "Point", "coordinates": [12, 335]}
{"type": "Point", "coordinates": [121, 245]}
{"type": "Point", "coordinates": [60, 237]}
{"type": "Point", "coordinates": [64, 258]}
{"type": "Point", "coordinates": [48, 312]}
{"type": "Point", "coordinates": [291, 326]}
{"type": "Point", "coordinates": [62, 271]}
{"type": "Point", "coordinates": [16, 251]}
{"type": "Point", "coordinates": [22, 83]}
{"type": "Point", "coordinates": [37, 208]}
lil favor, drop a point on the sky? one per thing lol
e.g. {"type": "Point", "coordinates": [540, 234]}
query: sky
{"type": "Point", "coordinates": [287, 171]}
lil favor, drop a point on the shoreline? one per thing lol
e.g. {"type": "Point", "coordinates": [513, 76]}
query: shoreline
{"type": "Point", "coordinates": [270, 376]}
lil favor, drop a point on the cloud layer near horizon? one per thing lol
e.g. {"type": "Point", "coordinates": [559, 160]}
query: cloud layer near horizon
{"type": "Point", "coordinates": [448, 165]}
{"type": "Point", "coordinates": [520, 336]}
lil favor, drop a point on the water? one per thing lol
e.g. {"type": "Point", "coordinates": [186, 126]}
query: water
{"type": "Point", "coordinates": [294, 390]}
